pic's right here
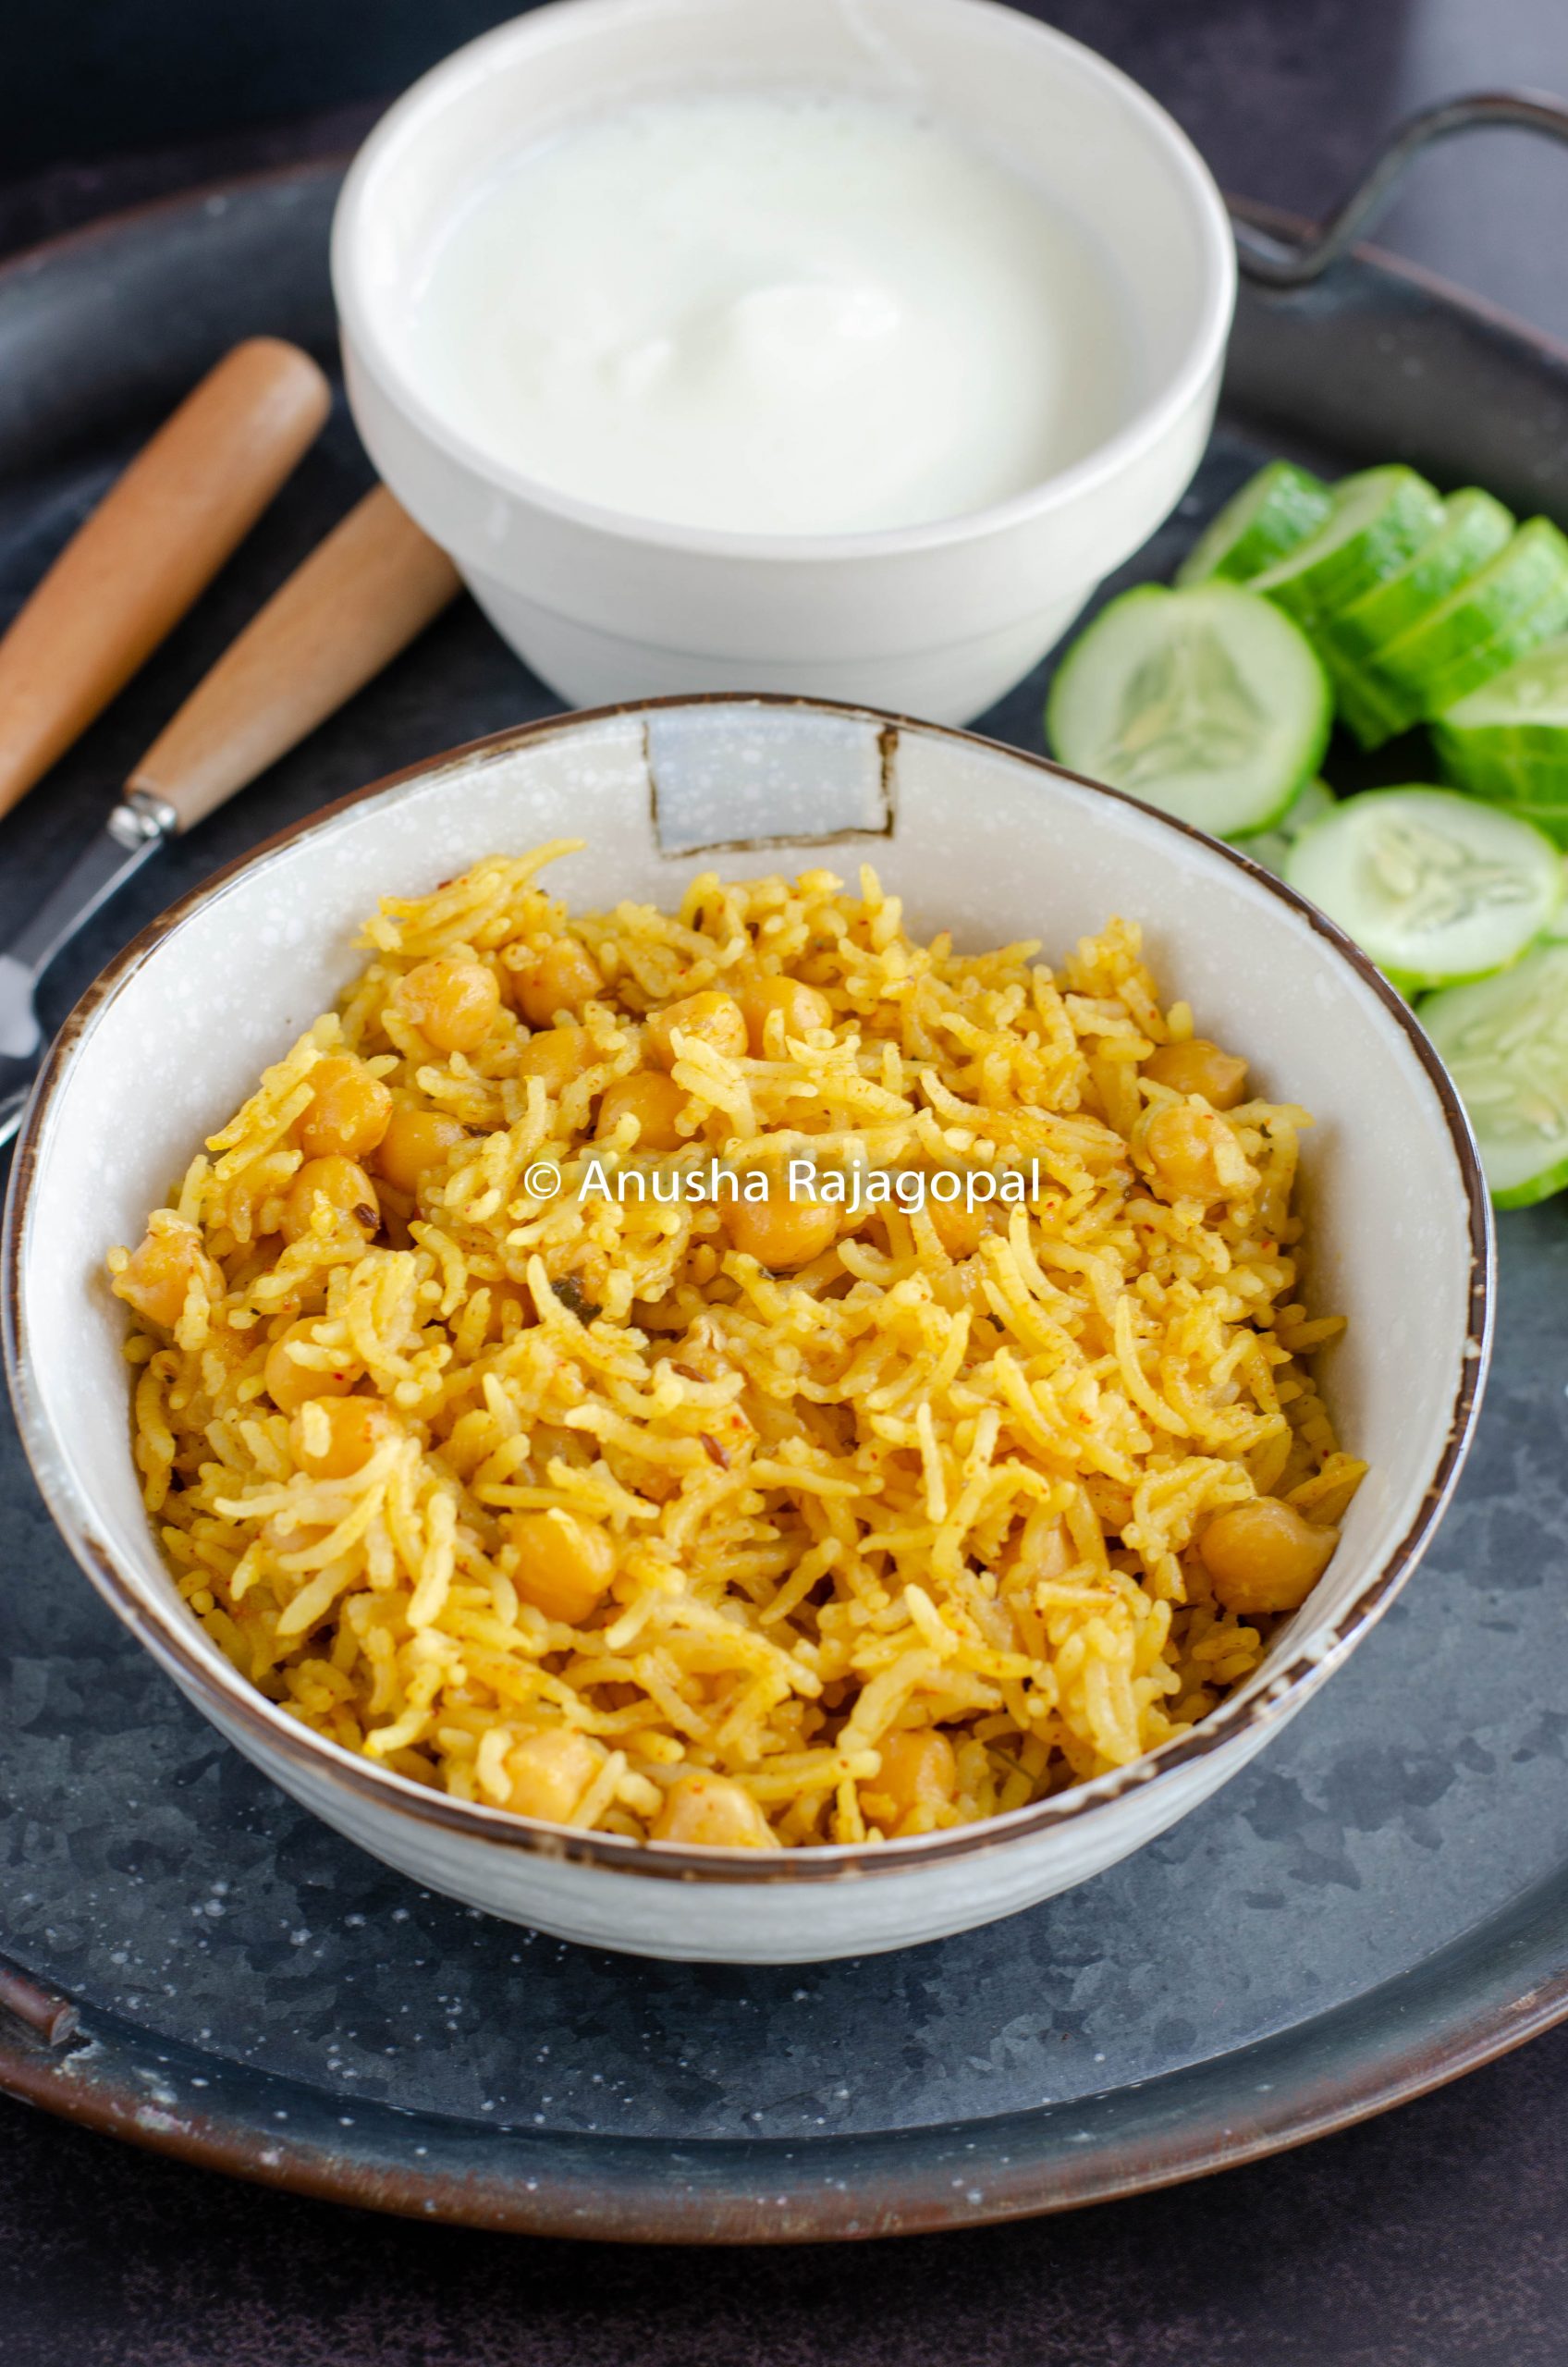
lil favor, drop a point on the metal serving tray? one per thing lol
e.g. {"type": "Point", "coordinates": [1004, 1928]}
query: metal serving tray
{"type": "Point", "coordinates": [1379, 1903]}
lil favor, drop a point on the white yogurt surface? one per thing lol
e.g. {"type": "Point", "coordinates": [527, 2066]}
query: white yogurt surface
{"type": "Point", "coordinates": [772, 314]}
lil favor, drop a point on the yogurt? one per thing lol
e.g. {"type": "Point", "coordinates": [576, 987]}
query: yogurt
{"type": "Point", "coordinates": [771, 314]}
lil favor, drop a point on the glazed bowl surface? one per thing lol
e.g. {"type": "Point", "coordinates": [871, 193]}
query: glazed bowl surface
{"type": "Point", "coordinates": [975, 837]}
{"type": "Point", "coordinates": [941, 617]}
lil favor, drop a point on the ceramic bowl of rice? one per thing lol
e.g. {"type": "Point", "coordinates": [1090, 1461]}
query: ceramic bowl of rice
{"type": "Point", "coordinates": [742, 1329]}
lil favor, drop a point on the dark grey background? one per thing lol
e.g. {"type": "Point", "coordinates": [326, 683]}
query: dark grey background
{"type": "Point", "coordinates": [1433, 2236]}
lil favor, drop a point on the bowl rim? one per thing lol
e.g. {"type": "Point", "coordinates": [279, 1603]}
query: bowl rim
{"type": "Point", "coordinates": [162, 1626]}
{"type": "Point", "coordinates": [1151, 420]}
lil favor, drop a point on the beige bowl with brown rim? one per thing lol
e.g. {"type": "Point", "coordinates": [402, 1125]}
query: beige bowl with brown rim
{"type": "Point", "coordinates": [991, 843]}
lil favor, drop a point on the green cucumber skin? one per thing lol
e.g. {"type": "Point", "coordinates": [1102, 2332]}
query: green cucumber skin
{"type": "Point", "coordinates": [1531, 697]}
{"type": "Point", "coordinates": [1308, 587]}
{"type": "Point", "coordinates": [1377, 709]}
{"type": "Point", "coordinates": [1478, 618]}
{"type": "Point", "coordinates": [1540, 1187]}
{"type": "Point", "coordinates": [1287, 504]}
{"type": "Point", "coordinates": [1365, 707]}
{"type": "Point", "coordinates": [1481, 665]}
{"type": "Point", "coordinates": [1509, 739]}
{"type": "Point", "coordinates": [1475, 530]}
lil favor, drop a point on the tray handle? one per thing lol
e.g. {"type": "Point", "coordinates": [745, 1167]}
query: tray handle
{"type": "Point", "coordinates": [1294, 263]}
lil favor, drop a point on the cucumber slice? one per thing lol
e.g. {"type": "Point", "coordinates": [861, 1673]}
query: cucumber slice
{"type": "Point", "coordinates": [1379, 518]}
{"type": "Point", "coordinates": [1274, 512]}
{"type": "Point", "coordinates": [1516, 640]}
{"type": "Point", "coordinates": [1505, 1044]}
{"type": "Point", "coordinates": [1311, 803]}
{"type": "Point", "coordinates": [1436, 888]}
{"type": "Point", "coordinates": [1481, 616]}
{"type": "Point", "coordinates": [1556, 929]}
{"type": "Point", "coordinates": [1474, 529]}
{"type": "Point", "coordinates": [1510, 738]}
{"type": "Point", "coordinates": [1548, 817]}
{"type": "Point", "coordinates": [1368, 708]}
{"type": "Point", "coordinates": [1207, 703]}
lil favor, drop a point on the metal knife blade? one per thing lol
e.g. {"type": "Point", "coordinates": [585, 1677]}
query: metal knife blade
{"type": "Point", "coordinates": [133, 833]}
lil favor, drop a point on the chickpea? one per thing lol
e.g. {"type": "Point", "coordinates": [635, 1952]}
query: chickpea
{"type": "Point", "coordinates": [452, 1002]}
{"type": "Point", "coordinates": [355, 1427]}
{"type": "Point", "coordinates": [415, 1141]}
{"type": "Point", "coordinates": [918, 1771]}
{"type": "Point", "coordinates": [338, 1184]}
{"type": "Point", "coordinates": [709, 1812]}
{"type": "Point", "coordinates": [804, 1008]}
{"type": "Point", "coordinates": [1262, 1556]}
{"type": "Point", "coordinates": [653, 1100]}
{"type": "Point", "coordinates": [961, 1229]}
{"type": "Point", "coordinates": [558, 1054]}
{"type": "Point", "coordinates": [160, 1273]}
{"type": "Point", "coordinates": [550, 1772]}
{"type": "Point", "coordinates": [563, 977]}
{"type": "Point", "coordinates": [566, 1565]}
{"type": "Point", "coordinates": [291, 1383]}
{"type": "Point", "coordinates": [349, 1111]}
{"type": "Point", "coordinates": [780, 1234]}
{"type": "Point", "coordinates": [1195, 1155]}
{"type": "Point", "coordinates": [713, 1017]}
{"type": "Point", "coordinates": [1198, 1066]}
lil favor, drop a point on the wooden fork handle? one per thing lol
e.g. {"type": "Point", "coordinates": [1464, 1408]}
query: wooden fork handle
{"type": "Point", "coordinates": [156, 540]}
{"type": "Point", "coordinates": [361, 598]}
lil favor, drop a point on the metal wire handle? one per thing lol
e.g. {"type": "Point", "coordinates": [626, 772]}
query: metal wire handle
{"type": "Point", "coordinates": [1285, 262]}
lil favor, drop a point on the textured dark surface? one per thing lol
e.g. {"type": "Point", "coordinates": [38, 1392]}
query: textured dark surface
{"type": "Point", "coordinates": [1430, 2237]}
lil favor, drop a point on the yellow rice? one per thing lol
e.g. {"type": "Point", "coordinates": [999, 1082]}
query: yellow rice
{"type": "Point", "coordinates": [816, 1484]}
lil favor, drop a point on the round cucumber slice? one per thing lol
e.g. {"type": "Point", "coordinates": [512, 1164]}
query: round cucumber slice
{"type": "Point", "coordinates": [1550, 815]}
{"type": "Point", "coordinates": [1274, 512]}
{"type": "Point", "coordinates": [1311, 803]}
{"type": "Point", "coordinates": [1510, 738]}
{"type": "Point", "coordinates": [1435, 887]}
{"type": "Point", "coordinates": [1481, 617]}
{"type": "Point", "coordinates": [1379, 518]}
{"type": "Point", "coordinates": [1207, 703]}
{"type": "Point", "coordinates": [1505, 1044]}
{"type": "Point", "coordinates": [1474, 529]}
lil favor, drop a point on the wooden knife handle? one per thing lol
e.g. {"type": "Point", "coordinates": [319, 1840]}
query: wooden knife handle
{"type": "Point", "coordinates": [361, 596]}
{"type": "Point", "coordinates": [156, 540]}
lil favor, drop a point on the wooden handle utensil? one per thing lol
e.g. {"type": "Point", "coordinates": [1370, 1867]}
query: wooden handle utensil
{"type": "Point", "coordinates": [156, 540]}
{"type": "Point", "coordinates": [344, 613]}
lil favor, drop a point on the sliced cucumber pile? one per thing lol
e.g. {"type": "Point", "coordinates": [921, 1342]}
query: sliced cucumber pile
{"type": "Point", "coordinates": [1413, 601]}
{"type": "Point", "coordinates": [1496, 609]}
{"type": "Point", "coordinates": [1206, 702]}
{"type": "Point", "coordinates": [1274, 512]}
{"type": "Point", "coordinates": [1378, 520]}
{"type": "Point", "coordinates": [1435, 887]}
{"type": "Point", "coordinates": [1378, 600]}
{"type": "Point", "coordinates": [1474, 529]}
{"type": "Point", "coordinates": [1312, 803]}
{"type": "Point", "coordinates": [1505, 1044]}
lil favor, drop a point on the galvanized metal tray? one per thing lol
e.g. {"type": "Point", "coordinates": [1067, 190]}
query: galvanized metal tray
{"type": "Point", "coordinates": [1381, 1902]}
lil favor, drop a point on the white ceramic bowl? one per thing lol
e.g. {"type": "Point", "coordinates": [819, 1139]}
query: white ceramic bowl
{"type": "Point", "coordinates": [941, 619]}
{"type": "Point", "coordinates": [996, 846]}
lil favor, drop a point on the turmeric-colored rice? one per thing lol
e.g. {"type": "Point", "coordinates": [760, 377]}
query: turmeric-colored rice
{"type": "Point", "coordinates": [625, 1529]}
